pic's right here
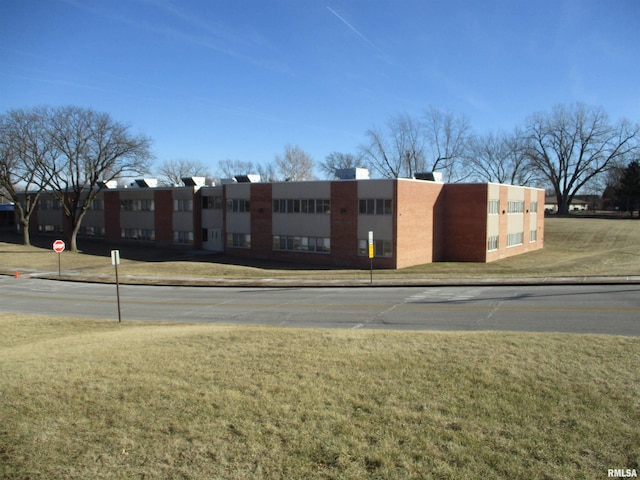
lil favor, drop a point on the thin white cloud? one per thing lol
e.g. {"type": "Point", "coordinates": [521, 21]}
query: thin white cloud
{"type": "Point", "coordinates": [193, 31]}
{"type": "Point", "coordinates": [355, 30]}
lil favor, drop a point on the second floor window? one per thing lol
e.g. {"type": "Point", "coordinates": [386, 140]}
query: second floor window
{"type": "Point", "coordinates": [238, 205]}
{"type": "Point", "coordinates": [375, 206]}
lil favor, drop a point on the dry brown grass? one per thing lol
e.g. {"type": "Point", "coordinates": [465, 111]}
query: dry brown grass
{"type": "Point", "coordinates": [573, 247]}
{"type": "Point", "coordinates": [93, 399]}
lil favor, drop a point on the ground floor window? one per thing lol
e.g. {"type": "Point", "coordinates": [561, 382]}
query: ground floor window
{"type": "Point", "coordinates": [381, 248]}
{"type": "Point", "coordinates": [302, 244]}
{"type": "Point", "coordinates": [492, 243]}
{"type": "Point", "coordinates": [533, 236]}
{"type": "Point", "coordinates": [138, 234]}
{"type": "Point", "coordinates": [239, 240]}
{"type": "Point", "coordinates": [49, 229]}
{"type": "Point", "coordinates": [89, 231]}
{"type": "Point", "coordinates": [183, 238]}
{"type": "Point", "coordinates": [514, 239]}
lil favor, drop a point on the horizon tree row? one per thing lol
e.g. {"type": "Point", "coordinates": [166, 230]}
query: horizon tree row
{"type": "Point", "coordinates": [567, 150]}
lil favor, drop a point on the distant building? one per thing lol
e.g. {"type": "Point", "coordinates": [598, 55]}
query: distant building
{"type": "Point", "coordinates": [320, 222]}
{"type": "Point", "coordinates": [577, 205]}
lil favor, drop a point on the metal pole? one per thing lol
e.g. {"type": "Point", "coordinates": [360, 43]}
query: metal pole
{"type": "Point", "coordinates": [371, 270]}
{"type": "Point", "coordinates": [118, 293]}
{"type": "Point", "coordinates": [58, 264]}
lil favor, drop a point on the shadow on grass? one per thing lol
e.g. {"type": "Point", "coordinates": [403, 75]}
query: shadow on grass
{"type": "Point", "coordinates": [154, 253]}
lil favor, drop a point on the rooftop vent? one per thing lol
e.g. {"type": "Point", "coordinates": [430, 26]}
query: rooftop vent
{"type": "Point", "coordinates": [194, 181]}
{"type": "Point", "coordinates": [249, 178]}
{"type": "Point", "coordinates": [352, 173]}
{"type": "Point", "coordinates": [109, 184]}
{"type": "Point", "coordinates": [429, 176]}
{"type": "Point", "coordinates": [147, 182]}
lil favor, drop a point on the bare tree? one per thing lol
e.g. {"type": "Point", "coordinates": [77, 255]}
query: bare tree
{"type": "Point", "coordinates": [25, 152]}
{"type": "Point", "coordinates": [572, 145]}
{"type": "Point", "coordinates": [447, 139]}
{"type": "Point", "coordinates": [337, 160]}
{"type": "Point", "coordinates": [408, 145]}
{"type": "Point", "coordinates": [230, 168]}
{"type": "Point", "coordinates": [397, 151]}
{"type": "Point", "coordinates": [267, 172]}
{"type": "Point", "coordinates": [501, 158]}
{"type": "Point", "coordinates": [91, 148]}
{"type": "Point", "coordinates": [295, 165]}
{"type": "Point", "coordinates": [171, 172]}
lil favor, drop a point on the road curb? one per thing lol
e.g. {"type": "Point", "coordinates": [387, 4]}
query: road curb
{"type": "Point", "coordinates": [302, 283]}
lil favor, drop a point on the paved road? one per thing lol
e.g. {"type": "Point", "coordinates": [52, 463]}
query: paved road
{"type": "Point", "coordinates": [610, 309]}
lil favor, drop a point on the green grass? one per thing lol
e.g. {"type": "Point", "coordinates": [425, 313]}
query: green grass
{"type": "Point", "coordinates": [573, 247]}
{"type": "Point", "coordinates": [81, 398]}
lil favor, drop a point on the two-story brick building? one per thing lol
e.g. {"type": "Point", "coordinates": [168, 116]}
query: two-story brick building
{"type": "Point", "coordinates": [320, 222]}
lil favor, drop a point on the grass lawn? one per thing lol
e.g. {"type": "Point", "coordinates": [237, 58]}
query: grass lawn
{"type": "Point", "coordinates": [573, 247]}
{"type": "Point", "coordinates": [81, 398]}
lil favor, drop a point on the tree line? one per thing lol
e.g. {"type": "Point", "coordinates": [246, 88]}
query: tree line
{"type": "Point", "coordinates": [567, 150]}
{"type": "Point", "coordinates": [73, 152]}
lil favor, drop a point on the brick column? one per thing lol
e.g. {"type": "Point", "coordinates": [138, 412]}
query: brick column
{"type": "Point", "coordinates": [344, 222]}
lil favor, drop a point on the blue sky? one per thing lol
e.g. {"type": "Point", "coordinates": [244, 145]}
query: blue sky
{"type": "Point", "coordinates": [215, 80]}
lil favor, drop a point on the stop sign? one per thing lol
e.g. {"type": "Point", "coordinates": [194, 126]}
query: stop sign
{"type": "Point", "coordinates": [58, 246]}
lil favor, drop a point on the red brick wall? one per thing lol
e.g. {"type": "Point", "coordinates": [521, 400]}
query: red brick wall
{"type": "Point", "coordinates": [111, 215]}
{"type": "Point", "coordinates": [33, 220]}
{"type": "Point", "coordinates": [465, 222]}
{"type": "Point", "coordinates": [344, 223]}
{"type": "Point", "coordinates": [197, 219]}
{"type": "Point", "coordinates": [163, 217]}
{"type": "Point", "coordinates": [416, 239]}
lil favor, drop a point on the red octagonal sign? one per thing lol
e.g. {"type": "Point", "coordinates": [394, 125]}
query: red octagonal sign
{"type": "Point", "coordinates": [58, 246]}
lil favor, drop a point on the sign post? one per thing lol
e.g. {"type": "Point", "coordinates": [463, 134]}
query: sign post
{"type": "Point", "coordinates": [371, 254]}
{"type": "Point", "coordinates": [115, 261]}
{"type": "Point", "coordinates": [58, 247]}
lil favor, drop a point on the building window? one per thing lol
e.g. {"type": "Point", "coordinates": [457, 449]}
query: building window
{"type": "Point", "coordinates": [494, 207]}
{"type": "Point", "coordinates": [137, 205]}
{"type": "Point", "coordinates": [49, 229]}
{"type": "Point", "coordinates": [183, 238]}
{"type": "Point", "coordinates": [515, 207]}
{"type": "Point", "coordinates": [302, 244]}
{"type": "Point", "coordinates": [182, 205]}
{"type": "Point", "coordinates": [304, 205]}
{"type": "Point", "coordinates": [534, 207]}
{"type": "Point", "coordinates": [96, 204]}
{"type": "Point", "coordinates": [214, 202]}
{"type": "Point", "coordinates": [514, 239]}
{"type": "Point", "coordinates": [49, 204]}
{"type": "Point", "coordinates": [237, 205]}
{"type": "Point", "coordinates": [492, 243]}
{"type": "Point", "coordinates": [144, 234]}
{"type": "Point", "coordinates": [239, 240]}
{"type": "Point", "coordinates": [89, 231]}
{"type": "Point", "coordinates": [381, 248]}
{"type": "Point", "coordinates": [375, 206]}
{"type": "Point", "coordinates": [533, 236]}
